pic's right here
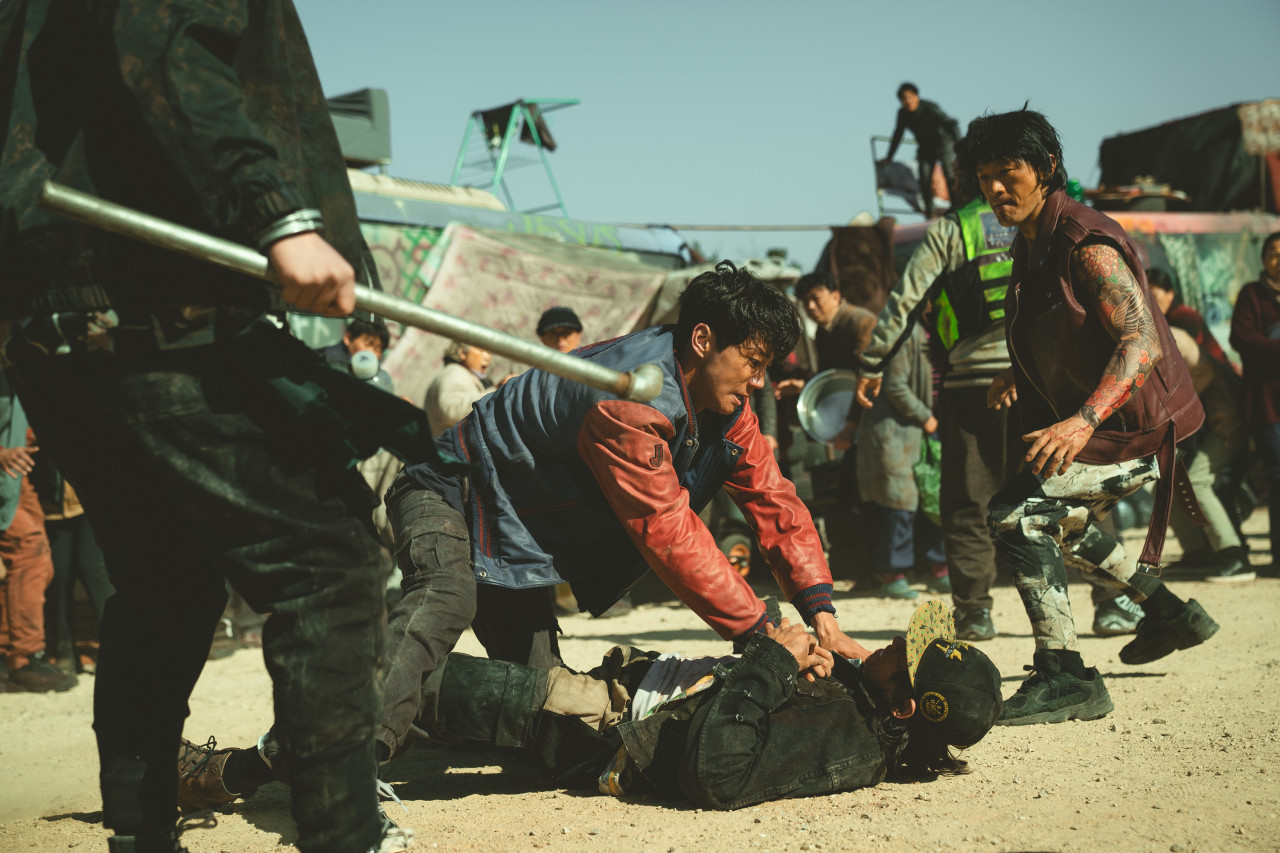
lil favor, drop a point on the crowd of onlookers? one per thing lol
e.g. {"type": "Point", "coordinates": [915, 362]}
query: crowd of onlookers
{"type": "Point", "coordinates": [877, 533]}
{"type": "Point", "coordinates": [46, 549]}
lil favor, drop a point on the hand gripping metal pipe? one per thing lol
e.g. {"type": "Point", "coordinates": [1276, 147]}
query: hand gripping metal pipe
{"type": "Point", "coordinates": [640, 385]}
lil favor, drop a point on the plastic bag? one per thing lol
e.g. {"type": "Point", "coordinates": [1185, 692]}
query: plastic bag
{"type": "Point", "coordinates": [928, 471]}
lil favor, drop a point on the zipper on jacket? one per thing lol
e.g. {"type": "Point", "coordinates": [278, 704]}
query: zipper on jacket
{"type": "Point", "coordinates": [1017, 304]}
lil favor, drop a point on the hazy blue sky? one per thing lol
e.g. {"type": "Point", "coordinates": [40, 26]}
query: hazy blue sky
{"type": "Point", "coordinates": [756, 112]}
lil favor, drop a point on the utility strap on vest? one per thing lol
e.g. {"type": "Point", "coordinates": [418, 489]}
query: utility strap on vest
{"type": "Point", "coordinates": [1173, 479]}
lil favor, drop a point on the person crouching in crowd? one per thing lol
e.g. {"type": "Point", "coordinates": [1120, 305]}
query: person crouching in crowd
{"type": "Point", "coordinates": [560, 329]}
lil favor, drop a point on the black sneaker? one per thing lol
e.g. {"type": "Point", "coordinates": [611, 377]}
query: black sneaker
{"type": "Point", "coordinates": [1231, 566]}
{"type": "Point", "coordinates": [1050, 695]}
{"type": "Point", "coordinates": [155, 843]}
{"type": "Point", "coordinates": [1159, 637]}
{"type": "Point", "coordinates": [39, 676]}
{"type": "Point", "coordinates": [976, 625]}
{"type": "Point", "coordinates": [1193, 561]}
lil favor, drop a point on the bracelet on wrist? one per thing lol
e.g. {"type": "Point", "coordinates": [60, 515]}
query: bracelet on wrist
{"type": "Point", "coordinates": [298, 222]}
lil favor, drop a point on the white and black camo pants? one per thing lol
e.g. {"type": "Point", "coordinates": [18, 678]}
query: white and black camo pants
{"type": "Point", "coordinates": [1039, 526]}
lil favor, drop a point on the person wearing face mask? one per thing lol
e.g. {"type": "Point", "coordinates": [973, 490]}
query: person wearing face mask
{"type": "Point", "coordinates": [1255, 334]}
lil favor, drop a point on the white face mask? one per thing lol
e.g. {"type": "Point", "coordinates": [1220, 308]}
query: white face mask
{"type": "Point", "coordinates": [364, 364]}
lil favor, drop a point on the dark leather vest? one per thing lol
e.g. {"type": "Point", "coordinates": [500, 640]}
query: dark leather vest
{"type": "Point", "coordinates": [1059, 350]}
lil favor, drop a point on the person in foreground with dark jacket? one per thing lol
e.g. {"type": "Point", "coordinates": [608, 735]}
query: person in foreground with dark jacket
{"type": "Point", "coordinates": [192, 427]}
{"type": "Point", "coordinates": [1104, 398]}
{"type": "Point", "coordinates": [724, 732]}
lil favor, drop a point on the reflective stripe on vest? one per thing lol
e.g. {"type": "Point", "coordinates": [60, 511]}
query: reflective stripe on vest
{"type": "Point", "coordinates": [948, 324]}
{"type": "Point", "coordinates": [987, 246]}
{"type": "Point", "coordinates": [986, 240]}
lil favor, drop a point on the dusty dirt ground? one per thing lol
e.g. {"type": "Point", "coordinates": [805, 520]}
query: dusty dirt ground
{"type": "Point", "coordinates": [1188, 761]}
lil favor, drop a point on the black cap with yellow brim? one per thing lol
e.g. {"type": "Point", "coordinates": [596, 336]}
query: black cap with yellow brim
{"type": "Point", "coordinates": [957, 687]}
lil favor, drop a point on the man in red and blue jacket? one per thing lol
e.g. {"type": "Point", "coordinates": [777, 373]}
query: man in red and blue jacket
{"type": "Point", "coordinates": [568, 483]}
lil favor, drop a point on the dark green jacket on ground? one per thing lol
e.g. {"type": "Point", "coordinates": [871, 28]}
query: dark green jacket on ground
{"type": "Point", "coordinates": [762, 733]}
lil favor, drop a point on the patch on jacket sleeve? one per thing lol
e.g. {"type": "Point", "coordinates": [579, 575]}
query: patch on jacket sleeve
{"type": "Point", "coordinates": [655, 461]}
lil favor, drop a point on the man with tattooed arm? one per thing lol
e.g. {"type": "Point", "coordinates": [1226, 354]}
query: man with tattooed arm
{"type": "Point", "coordinates": [1104, 398]}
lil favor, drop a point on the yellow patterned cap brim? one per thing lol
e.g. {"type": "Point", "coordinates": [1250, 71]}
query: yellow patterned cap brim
{"type": "Point", "coordinates": [930, 621]}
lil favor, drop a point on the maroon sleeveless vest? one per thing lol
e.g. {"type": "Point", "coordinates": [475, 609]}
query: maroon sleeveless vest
{"type": "Point", "coordinates": [1059, 350]}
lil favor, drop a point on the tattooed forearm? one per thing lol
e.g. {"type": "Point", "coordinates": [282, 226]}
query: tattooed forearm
{"type": "Point", "coordinates": [1126, 316]}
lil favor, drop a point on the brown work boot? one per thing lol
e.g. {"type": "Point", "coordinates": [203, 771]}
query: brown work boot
{"type": "Point", "coordinates": [39, 676]}
{"type": "Point", "coordinates": [200, 784]}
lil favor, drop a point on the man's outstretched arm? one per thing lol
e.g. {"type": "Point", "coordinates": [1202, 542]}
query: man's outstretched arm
{"type": "Point", "coordinates": [898, 127]}
{"type": "Point", "coordinates": [787, 536]}
{"type": "Point", "coordinates": [1099, 270]}
{"type": "Point", "coordinates": [940, 252]}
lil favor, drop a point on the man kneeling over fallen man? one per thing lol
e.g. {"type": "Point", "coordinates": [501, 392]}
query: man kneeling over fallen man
{"type": "Point", "coordinates": [783, 719]}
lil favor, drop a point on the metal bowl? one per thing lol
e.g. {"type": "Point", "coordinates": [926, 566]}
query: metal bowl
{"type": "Point", "coordinates": [824, 403]}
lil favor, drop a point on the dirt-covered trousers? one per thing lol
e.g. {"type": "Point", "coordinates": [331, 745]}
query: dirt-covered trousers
{"type": "Point", "coordinates": [441, 599]}
{"type": "Point", "coordinates": [190, 484]}
{"type": "Point", "coordinates": [1040, 525]}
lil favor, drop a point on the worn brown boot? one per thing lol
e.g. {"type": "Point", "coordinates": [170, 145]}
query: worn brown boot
{"type": "Point", "coordinates": [200, 784]}
{"type": "Point", "coordinates": [40, 676]}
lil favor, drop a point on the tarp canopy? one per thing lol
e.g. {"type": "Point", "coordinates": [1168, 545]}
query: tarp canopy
{"type": "Point", "coordinates": [505, 281]}
{"type": "Point", "coordinates": [1209, 156]}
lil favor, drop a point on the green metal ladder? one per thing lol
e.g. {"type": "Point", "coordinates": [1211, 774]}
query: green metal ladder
{"type": "Point", "coordinates": [495, 160]}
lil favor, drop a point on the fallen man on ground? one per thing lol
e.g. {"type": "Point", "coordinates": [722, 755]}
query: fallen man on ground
{"type": "Point", "coordinates": [781, 720]}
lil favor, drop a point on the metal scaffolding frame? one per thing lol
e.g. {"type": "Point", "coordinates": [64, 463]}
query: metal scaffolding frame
{"type": "Point", "coordinates": [497, 149]}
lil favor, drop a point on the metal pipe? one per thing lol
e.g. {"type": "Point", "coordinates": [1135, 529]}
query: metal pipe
{"type": "Point", "coordinates": [640, 385]}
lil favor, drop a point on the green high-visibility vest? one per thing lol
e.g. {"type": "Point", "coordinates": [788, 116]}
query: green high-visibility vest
{"type": "Point", "coordinates": [972, 297]}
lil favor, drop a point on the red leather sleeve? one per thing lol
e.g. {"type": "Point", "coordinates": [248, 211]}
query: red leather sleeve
{"type": "Point", "coordinates": [625, 446]}
{"type": "Point", "coordinates": [782, 522]}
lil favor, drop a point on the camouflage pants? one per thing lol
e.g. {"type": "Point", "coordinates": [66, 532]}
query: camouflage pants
{"type": "Point", "coordinates": [191, 484]}
{"type": "Point", "coordinates": [1039, 526]}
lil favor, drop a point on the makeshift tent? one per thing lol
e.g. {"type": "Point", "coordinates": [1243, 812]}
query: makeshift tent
{"type": "Point", "coordinates": [1211, 256]}
{"type": "Point", "coordinates": [505, 281]}
{"type": "Point", "coordinates": [1224, 160]}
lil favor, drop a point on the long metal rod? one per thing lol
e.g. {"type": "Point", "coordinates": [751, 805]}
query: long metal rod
{"type": "Point", "coordinates": [678, 227]}
{"type": "Point", "coordinates": [640, 385]}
